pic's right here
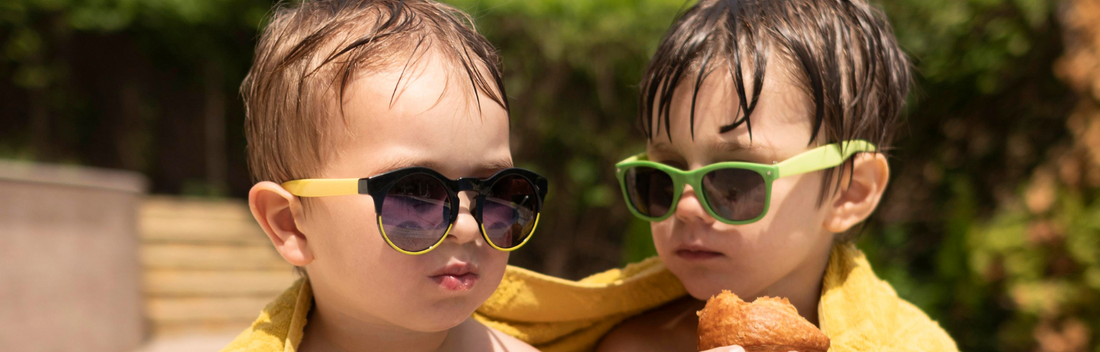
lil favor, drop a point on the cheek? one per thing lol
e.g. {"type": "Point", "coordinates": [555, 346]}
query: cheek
{"type": "Point", "coordinates": [794, 205]}
{"type": "Point", "coordinates": [347, 246]}
{"type": "Point", "coordinates": [343, 228]}
{"type": "Point", "coordinates": [492, 271]}
{"type": "Point", "coordinates": [662, 235]}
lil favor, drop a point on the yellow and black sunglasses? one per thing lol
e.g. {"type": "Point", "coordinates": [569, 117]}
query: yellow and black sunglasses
{"type": "Point", "coordinates": [417, 206]}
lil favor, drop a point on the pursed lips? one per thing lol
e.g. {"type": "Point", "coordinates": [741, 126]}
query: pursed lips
{"type": "Point", "coordinates": [457, 276]}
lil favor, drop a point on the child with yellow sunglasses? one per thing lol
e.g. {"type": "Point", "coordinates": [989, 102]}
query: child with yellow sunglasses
{"type": "Point", "coordinates": [378, 137]}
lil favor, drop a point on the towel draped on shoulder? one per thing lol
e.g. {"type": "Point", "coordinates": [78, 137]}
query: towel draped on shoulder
{"type": "Point", "coordinates": [858, 311]}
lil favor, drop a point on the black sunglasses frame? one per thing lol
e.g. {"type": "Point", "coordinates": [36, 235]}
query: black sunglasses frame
{"type": "Point", "coordinates": [379, 185]}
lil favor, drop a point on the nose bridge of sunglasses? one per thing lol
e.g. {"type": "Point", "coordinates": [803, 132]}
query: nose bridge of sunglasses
{"type": "Point", "coordinates": [471, 187]}
{"type": "Point", "coordinates": [468, 184]}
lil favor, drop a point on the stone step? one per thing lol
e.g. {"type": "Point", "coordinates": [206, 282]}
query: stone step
{"type": "Point", "coordinates": [199, 256]}
{"type": "Point", "coordinates": [181, 283]}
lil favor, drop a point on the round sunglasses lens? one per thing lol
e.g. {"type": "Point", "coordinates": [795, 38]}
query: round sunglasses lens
{"type": "Point", "coordinates": [509, 211]}
{"type": "Point", "coordinates": [735, 194]}
{"type": "Point", "coordinates": [416, 212]}
{"type": "Point", "coordinates": [649, 190]}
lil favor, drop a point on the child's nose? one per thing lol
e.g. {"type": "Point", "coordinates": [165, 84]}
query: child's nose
{"type": "Point", "coordinates": [689, 209]}
{"type": "Point", "coordinates": [465, 228]}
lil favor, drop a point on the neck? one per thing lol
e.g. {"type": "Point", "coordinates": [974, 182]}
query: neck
{"type": "Point", "coordinates": [802, 287]}
{"type": "Point", "coordinates": [331, 329]}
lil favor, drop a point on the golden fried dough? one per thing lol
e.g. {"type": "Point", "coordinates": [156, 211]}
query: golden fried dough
{"type": "Point", "coordinates": [765, 325]}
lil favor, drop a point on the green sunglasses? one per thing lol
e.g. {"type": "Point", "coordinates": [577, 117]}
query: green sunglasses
{"type": "Point", "coordinates": [733, 192]}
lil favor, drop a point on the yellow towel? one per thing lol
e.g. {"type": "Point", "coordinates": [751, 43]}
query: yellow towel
{"type": "Point", "coordinates": [280, 325]}
{"type": "Point", "coordinates": [561, 315]}
{"type": "Point", "coordinates": [858, 311]}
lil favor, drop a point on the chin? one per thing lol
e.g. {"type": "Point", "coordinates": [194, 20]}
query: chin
{"type": "Point", "coordinates": [697, 280]}
{"type": "Point", "coordinates": [702, 290]}
{"type": "Point", "coordinates": [449, 312]}
{"type": "Point", "coordinates": [436, 320]}
{"type": "Point", "coordinates": [703, 284]}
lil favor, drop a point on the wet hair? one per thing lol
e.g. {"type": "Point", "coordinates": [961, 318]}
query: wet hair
{"type": "Point", "coordinates": [311, 50]}
{"type": "Point", "coordinates": [843, 55]}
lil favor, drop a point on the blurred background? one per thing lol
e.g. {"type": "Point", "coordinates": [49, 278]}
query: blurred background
{"type": "Point", "coordinates": [122, 166]}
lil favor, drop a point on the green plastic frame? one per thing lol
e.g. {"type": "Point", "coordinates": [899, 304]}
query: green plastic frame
{"type": "Point", "coordinates": [816, 159]}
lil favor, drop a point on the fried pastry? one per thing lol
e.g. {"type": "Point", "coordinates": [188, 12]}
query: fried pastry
{"type": "Point", "coordinates": [765, 325]}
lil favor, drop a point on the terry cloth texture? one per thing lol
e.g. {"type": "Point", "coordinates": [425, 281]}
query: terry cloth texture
{"type": "Point", "coordinates": [857, 311]}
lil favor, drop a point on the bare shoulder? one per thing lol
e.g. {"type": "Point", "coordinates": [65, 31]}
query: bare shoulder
{"type": "Point", "coordinates": [471, 335]}
{"type": "Point", "coordinates": [671, 328]}
{"type": "Point", "coordinates": [628, 336]}
{"type": "Point", "coordinates": [506, 343]}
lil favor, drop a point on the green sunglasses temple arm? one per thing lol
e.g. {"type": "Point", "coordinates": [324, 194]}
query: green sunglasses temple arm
{"type": "Point", "coordinates": [823, 157]}
{"type": "Point", "coordinates": [323, 187]}
{"type": "Point", "coordinates": [636, 157]}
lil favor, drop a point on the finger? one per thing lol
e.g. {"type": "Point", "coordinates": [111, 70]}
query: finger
{"type": "Point", "coordinates": [734, 348]}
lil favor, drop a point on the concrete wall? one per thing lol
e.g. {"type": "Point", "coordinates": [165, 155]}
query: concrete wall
{"type": "Point", "coordinates": [70, 277]}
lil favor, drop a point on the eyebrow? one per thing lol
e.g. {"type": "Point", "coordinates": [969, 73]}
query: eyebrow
{"type": "Point", "coordinates": [401, 162]}
{"type": "Point", "coordinates": [730, 146]}
{"type": "Point", "coordinates": [496, 165]}
{"type": "Point", "coordinates": [662, 146]}
{"type": "Point", "coordinates": [720, 147]}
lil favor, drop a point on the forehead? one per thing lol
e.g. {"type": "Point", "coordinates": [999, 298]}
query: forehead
{"type": "Point", "coordinates": [782, 115]}
{"type": "Point", "coordinates": [424, 114]}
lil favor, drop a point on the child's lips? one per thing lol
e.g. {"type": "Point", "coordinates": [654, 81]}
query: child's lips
{"type": "Point", "coordinates": [459, 276]}
{"type": "Point", "coordinates": [456, 282]}
{"type": "Point", "coordinates": [697, 253]}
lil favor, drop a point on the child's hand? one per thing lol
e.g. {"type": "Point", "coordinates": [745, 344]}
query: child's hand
{"type": "Point", "coordinates": [730, 349]}
{"type": "Point", "coordinates": [733, 348]}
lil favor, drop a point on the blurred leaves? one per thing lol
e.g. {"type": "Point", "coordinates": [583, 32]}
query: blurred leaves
{"type": "Point", "coordinates": [991, 223]}
{"type": "Point", "coordinates": [1008, 141]}
{"type": "Point", "coordinates": [972, 41]}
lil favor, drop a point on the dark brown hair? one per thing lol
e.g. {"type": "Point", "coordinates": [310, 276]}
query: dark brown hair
{"type": "Point", "coordinates": [843, 54]}
{"type": "Point", "coordinates": [311, 50]}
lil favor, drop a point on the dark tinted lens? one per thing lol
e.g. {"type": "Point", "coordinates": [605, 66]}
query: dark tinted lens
{"type": "Point", "coordinates": [735, 194]}
{"type": "Point", "coordinates": [508, 214]}
{"type": "Point", "coordinates": [416, 212]}
{"type": "Point", "coordinates": [649, 190]}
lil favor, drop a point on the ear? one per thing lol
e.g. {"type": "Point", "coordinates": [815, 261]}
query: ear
{"type": "Point", "coordinates": [860, 191]}
{"type": "Point", "coordinates": [274, 208]}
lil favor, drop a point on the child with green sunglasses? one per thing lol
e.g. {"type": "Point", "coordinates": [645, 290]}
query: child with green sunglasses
{"type": "Point", "coordinates": [766, 124]}
{"type": "Point", "coordinates": [378, 137]}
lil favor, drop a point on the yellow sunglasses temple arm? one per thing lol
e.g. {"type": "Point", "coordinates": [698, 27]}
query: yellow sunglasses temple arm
{"type": "Point", "coordinates": [823, 157]}
{"type": "Point", "coordinates": [323, 187]}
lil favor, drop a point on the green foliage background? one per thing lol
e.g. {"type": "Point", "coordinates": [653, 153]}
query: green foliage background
{"type": "Point", "coordinates": [127, 83]}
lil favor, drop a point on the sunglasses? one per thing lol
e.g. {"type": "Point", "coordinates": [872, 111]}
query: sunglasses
{"type": "Point", "coordinates": [416, 207]}
{"type": "Point", "coordinates": [734, 193]}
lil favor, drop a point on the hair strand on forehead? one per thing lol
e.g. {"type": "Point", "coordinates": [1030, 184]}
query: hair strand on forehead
{"type": "Point", "coordinates": [404, 69]}
{"type": "Point", "coordinates": [311, 51]}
